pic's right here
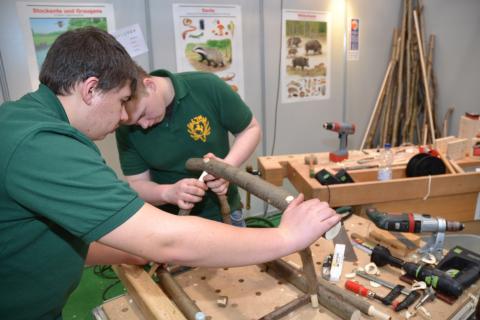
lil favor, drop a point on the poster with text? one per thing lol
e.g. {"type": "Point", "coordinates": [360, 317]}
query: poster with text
{"type": "Point", "coordinates": [42, 23]}
{"type": "Point", "coordinates": [208, 38]}
{"type": "Point", "coordinates": [305, 56]}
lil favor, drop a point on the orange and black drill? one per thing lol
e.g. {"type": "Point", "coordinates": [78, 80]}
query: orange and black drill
{"type": "Point", "coordinates": [343, 129]}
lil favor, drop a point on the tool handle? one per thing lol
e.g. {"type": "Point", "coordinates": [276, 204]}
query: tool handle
{"type": "Point", "coordinates": [357, 288]}
{"type": "Point", "coordinates": [407, 302]}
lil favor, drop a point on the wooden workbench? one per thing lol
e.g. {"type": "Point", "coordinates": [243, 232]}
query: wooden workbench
{"type": "Point", "coordinates": [452, 196]}
{"type": "Point", "coordinates": [253, 293]}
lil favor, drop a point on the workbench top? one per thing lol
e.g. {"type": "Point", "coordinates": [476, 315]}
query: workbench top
{"type": "Point", "coordinates": [253, 293]}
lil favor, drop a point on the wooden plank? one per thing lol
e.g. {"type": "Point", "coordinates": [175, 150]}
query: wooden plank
{"type": "Point", "coordinates": [121, 308]}
{"type": "Point", "coordinates": [459, 207]}
{"type": "Point", "coordinates": [150, 299]}
{"type": "Point", "coordinates": [457, 149]}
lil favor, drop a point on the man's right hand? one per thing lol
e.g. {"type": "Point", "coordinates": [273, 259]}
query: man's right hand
{"type": "Point", "coordinates": [306, 221]}
{"type": "Point", "coordinates": [185, 193]}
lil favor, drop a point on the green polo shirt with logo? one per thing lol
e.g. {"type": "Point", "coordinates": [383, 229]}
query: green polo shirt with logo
{"type": "Point", "coordinates": [204, 110]}
{"type": "Point", "coordinates": [56, 196]}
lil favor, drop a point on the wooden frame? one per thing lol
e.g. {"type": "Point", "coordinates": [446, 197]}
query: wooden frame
{"type": "Point", "coordinates": [447, 195]}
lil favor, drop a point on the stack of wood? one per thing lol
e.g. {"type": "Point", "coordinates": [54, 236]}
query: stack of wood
{"type": "Point", "coordinates": [404, 111]}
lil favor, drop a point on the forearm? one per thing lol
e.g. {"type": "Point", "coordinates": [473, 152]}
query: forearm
{"type": "Point", "coordinates": [244, 144]}
{"type": "Point", "coordinates": [201, 244]}
{"type": "Point", "coordinates": [193, 241]}
{"type": "Point", "coordinates": [102, 254]}
{"type": "Point", "coordinates": [150, 191]}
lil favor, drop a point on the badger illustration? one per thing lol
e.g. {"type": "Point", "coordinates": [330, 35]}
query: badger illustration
{"type": "Point", "coordinates": [213, 56]}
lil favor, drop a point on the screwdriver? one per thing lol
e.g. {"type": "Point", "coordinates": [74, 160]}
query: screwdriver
{"type": "Point", "coordinates": [361, 290]}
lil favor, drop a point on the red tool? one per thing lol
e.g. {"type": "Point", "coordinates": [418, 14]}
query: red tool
{"type": "Point", "coordinates": [361, 290]}
{"type": "Point", "coordinates": [343, 129]}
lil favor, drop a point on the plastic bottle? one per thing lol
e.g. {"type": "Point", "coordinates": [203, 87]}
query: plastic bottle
{"type": "Point", "coordinates": [385, 163]}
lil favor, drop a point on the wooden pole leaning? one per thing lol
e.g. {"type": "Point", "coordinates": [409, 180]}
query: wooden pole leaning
{"type": "Point", "coordinates": [276, 196]}
{"type": "Point", "coordinates": [426, 84]}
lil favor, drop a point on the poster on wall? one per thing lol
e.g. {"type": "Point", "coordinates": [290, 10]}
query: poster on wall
{"type": "Point", "coordinates": [305, 56]}
{"type": "Point", "coordinates": [42, 23]}
{"type": "Point", "coordinates": [208, 38]}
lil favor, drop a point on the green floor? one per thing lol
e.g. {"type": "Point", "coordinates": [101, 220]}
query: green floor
{"type": "Point", "coordinates": [96, 282]}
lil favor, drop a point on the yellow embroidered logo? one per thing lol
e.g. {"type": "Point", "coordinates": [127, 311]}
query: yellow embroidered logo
{"type": "Point", "coordinates": [199, 128]}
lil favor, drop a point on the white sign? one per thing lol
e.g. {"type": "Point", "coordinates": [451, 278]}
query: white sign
{"type": "Point", "coordinates": [354, 40]}
{"type": "Point", "coordinates": [305, 56]}
{"type": "Point", "coordinates": [42, 23]}
{"type": "Point", "coordinates": [208, 38]}
{"type": "Point", "coordinates": [132, 39]}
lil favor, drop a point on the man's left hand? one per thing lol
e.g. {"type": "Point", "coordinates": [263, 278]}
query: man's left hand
{"type": "Point", "coordinates": [217, 185]}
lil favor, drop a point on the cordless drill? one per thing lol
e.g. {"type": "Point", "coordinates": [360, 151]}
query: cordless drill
{"type": "Point", "coordinates": [412, 222]}
{"type": "Point", "coordinates": [343, 129]}
{"type": "Point", "coordinates": [438, 279]}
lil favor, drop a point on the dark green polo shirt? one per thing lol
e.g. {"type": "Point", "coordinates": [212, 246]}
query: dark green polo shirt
{"type": "Point", "coordinates": [56, 196]}
{"type": "Point", "coordinates": [205, 109]}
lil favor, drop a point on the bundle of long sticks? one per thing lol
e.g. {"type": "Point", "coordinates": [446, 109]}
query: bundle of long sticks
{"type": "Point", "coordinates": [404, 110]}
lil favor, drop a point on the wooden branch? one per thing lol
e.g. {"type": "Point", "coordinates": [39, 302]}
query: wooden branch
{"type": "Point", "coordinates": [398, 104]}
{"type": "Point", "coordinates": [266, 191]}
{"type": "Point", "coordinates": [282, 269]}
{"type": "Point", "coordinates": [177, 294]}
{"type": "Point", "coordinates": [287, 308]}
{"type": "Point", "coordinates": [369, 132]}
{"type": "Point", "coordinates": [425, 80]}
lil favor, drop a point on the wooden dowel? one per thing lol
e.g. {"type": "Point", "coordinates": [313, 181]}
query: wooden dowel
{"type": "Point", "coordinates": [447, 162]}
{"type": "Point", "coordinates": [376, 108]}
{"type": "Point", "coordinates": [287, 308]}
{"type": "Point", "coordinates": [424, 76]}
{"type": "Point", "coordinates": [224, 208]}
{"type": "Point", "coordinates": [175, 292]}
{"type": "Point", "coordinates": [344, 310]}
{"type": "Point", "coordinates": [456, 166]}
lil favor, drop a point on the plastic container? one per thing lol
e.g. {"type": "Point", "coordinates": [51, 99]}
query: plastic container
{"type": "Point", "coordinates": [385, 163]}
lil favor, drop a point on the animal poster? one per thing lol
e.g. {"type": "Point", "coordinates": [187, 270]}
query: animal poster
{"type": "Point", "coordinates": [305, 56]}
{"type": "Point", "coordinates": [208, 38]}
{"type": "Point", "coordinates": [42, 23]}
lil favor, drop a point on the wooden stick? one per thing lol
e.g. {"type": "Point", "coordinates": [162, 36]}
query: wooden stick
{"type": "Point", "coordinates": [343, 309]}
{"type": "Point", "coordinates": [456, 166]}
{"type": "Point", "coordinates": [376, 110]}
{"type": "Point", "coordinates": [446, 118]}
{"type": "Point", "coordinates": [287, 308]}
{"type": "Point", "coordinates": [390, 91]}
{"type": "Point", "coordinates": [425, 80]}
{"type": "Point", "coordinates": [175, 292]}
{"type": "Point", "coordinates": [224, 208]}
{"type": "Point", "coordinates": [447, 162]}
{"type": "Point", "coordinates": [398, 105]}
{"type": "Point", "coordinates": [266, 191]}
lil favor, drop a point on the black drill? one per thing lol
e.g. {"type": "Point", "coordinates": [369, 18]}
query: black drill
{"type": "Point", "coordinates": [438, 279]}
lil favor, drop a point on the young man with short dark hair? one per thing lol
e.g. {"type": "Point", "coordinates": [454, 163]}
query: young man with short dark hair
{"type": "Point", "coordinates": [57, 195]}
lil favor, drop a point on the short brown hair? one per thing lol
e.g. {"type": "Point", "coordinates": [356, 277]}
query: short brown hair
{"type": "Point", "coordinates": [87, 52]}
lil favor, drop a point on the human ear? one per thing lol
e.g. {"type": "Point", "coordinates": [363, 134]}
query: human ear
{"type": "Point", "coordinates": [88, 89]}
